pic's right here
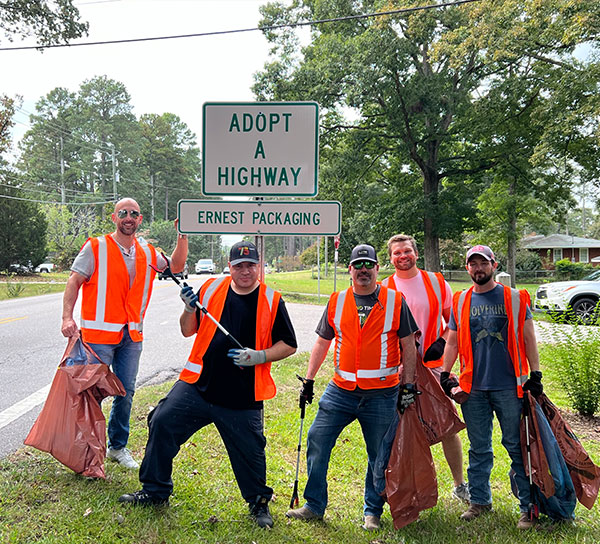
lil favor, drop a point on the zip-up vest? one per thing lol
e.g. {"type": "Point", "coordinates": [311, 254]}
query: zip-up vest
{"type": "Point", "coordinates": [212, 296]}
{"type": "Point", "coordinates": [367, 356]}
{"type": "Point", "coordinates": [516, 308]}
{"type": "Point", "coordinates": [435, 285]}
{"type": "Point", "coordinates": [108, 303]}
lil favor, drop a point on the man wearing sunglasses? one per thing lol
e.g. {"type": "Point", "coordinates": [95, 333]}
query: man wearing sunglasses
{"type": "Point", "coordinates": [116, 280]}
{"type": "Point", "coordinates": [374, 334]}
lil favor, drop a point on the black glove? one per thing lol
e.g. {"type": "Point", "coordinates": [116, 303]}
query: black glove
{"type": "Point", "coordinates": [534, 383]}
{"type": "Point", "coordinates": [448, 383]}
{"type": "Point", "coordinates": [406, 396]}
{"type": "Point", "coordinates": [435, 351]}
{"type": "Point", "coordinates": [307, 393]}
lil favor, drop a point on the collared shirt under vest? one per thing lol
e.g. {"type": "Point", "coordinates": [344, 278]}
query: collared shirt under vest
{"type": "Point", "coordinates": [212, 296]}
{"type": "Point", "coordinates": [435, 286]}
{"type": "Point", "coordinates": [369, 356]}
{"type": "Point", "coordinates": [108, 302]}
{"type": "Point", "coordinates": [516, 303]}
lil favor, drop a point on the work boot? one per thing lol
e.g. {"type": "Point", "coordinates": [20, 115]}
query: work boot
{"type": "Point", "coordinates": [142, 498]}
{"type": "Point", "coordinates": [371, 523]}
{"type": "Point", "coordinates": [475, 510]}
{"type": "Point", "coordinates": [259, 510]}
{"type": "Point", "coordinates": [461, 492]}
{"type": "Point", "coordinates": [302, 513]}
{"type": "Point", "coordinates": [123, 457]}
{"type": "Point", "coordinates": [525, 522]}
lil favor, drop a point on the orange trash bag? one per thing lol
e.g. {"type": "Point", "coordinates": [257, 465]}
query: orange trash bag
{"type": "Point", "coordinates": [71, 426]}
{"type": "Point", "coordinates": [410, 478]}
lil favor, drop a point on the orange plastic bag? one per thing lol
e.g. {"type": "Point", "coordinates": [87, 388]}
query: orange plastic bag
{"type": "Point", "coordinates": [436, 410]}
{"type": "Point", "coordinates": [584, 473]}
{"type": "Point", "coordinates": [410, 478]}
{"type": "Point", "coordinates": [71, 426]}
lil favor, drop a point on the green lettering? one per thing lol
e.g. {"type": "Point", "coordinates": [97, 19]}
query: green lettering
{"type": "Point", "coordinates": [234, 123]}
{"type": "Point", "coordinates": [295, 174]}
{"type": "Point", "coordinates": [260, 150]}
{"type": "Point", "coordinates": [283, 178]}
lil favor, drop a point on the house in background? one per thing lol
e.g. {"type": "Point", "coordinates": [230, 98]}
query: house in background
{"type": "Point", "coordinates": [563, 246]}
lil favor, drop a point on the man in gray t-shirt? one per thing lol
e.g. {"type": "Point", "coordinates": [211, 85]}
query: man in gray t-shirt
{"type": "Point", "coordinates": [115, 278]}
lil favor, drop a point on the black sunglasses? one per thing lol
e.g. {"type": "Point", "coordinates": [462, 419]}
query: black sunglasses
{"type": "Point", "coordinates": [132, 213]}
{"type": "Point", "coordinates": [367, 264]}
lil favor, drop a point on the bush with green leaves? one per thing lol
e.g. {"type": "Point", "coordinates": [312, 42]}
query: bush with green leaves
{"type": "Point", "coordinates": [576, 360]}
{"type": "Point", "coordinates": [566, 270]}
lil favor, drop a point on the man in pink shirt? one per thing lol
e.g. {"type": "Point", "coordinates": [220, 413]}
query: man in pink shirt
{"type": "Point", "coordinates": [429, 298]}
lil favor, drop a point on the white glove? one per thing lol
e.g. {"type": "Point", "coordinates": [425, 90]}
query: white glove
{"type": "Point", "coordinates": [247, 356]}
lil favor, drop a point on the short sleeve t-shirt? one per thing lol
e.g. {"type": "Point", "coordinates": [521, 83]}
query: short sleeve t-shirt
{"type": "Point", "coordinates": [85, 263]}
{"type": "Point", "coordinates": [492, 365]}
{"type": "Point", "coordinates": [415, 294]}
{"type": "Point", "coordinates": [221, 381]}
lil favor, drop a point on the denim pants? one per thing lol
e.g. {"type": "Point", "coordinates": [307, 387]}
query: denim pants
{"type": "Point", "coordinates": [478, 413]}
{"type": "Point", "coordinates": [337, 409]}
{"type": "Point", "coordinates": [124, 358]}
{"type": "Point", "coordinates": [183, 412]}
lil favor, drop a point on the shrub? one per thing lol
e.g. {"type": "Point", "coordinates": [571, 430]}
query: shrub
{"type": "Point", "coordinates": [576, 359]}
{"type": "Point", "coordinates": [14, 288]}
{"type": "Point", "coordinates": [566, 270]}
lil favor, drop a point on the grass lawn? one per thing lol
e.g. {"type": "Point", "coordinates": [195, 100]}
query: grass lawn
{"type": "Point", "coordinates": [41, 501]}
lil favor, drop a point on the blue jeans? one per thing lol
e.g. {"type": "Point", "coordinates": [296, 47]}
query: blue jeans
{"type": "Point", "coordinates": [478, 413]}
{"type": "Point", "coordinates": [124, 358]}
{"type": "Point", "coordinates": [337, 409]}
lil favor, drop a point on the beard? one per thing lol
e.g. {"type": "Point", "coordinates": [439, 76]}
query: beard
{"type": "Point", "coordinates": [481, 278]}
{"type": "Point", "coordinates": [127, 228]}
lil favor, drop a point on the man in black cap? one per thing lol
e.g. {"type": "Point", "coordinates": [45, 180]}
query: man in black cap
{"type": "Point", "coordinates": [369, 323]}
{"type": "Point", "coordinates": [221, 384]}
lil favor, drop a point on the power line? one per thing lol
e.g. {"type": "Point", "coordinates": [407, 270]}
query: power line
{"type": "Point", "coordinates": [243, 30]}
{"type": "Point", "coordinates": [59, 203]}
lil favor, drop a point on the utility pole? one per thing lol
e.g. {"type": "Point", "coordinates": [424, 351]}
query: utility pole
{"type": "Point", "coordinates": [166, 203]}
{"type": "Point", "coordinates": [63, 191]}
{"type": "Point", "coordinates": [114, 171]}
{"type": "Point", "coordinates": [151, 198]}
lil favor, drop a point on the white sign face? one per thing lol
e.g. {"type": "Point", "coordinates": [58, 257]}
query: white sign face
{"type": "Point", "coordinates": [260, 148]}
{"type": "Point", "coordinates": [265, 217]}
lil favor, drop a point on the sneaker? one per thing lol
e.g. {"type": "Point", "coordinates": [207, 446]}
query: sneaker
{"type": "Point", "coordinates": [142, 498]}
{"type": "Point", "coordinates": [525, 522]}
{"type": "Point", "coordinates": [475, 510]}
{"type": "Point", "coordinates": [461, 492]}
{"type": "Point", "coordinates": [260, 512]}
{"type": "Point", "coordinates": [123, 457]}
{"type": "Point", "coordinates": [372, 523]}
{"type": "Point", "coordinates": [302, 513]}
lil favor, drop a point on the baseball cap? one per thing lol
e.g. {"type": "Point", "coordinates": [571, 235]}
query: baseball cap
{"type": "Point", "coordinates": [243, 252]}
{"type": "Point", "coordinates": [484, 251]}
{"type": "Point", "coordinates": [363, 252]}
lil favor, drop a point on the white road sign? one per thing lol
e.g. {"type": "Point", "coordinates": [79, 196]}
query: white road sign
{"type": "Point", "coordinates": [260, 148]}
{"type": "Point", "coordinates": [263, 217]}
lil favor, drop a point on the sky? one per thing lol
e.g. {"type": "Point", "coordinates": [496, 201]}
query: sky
{"type": "Point", "coordinates": [175, 76]}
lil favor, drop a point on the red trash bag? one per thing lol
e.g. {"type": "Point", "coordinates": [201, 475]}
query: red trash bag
{"type": "Point", "coordinates": [584, 473]}
{"type": "Point", "coordinates": [71, 426]}
{"type": "Point", "coordinates": [410, 478]}
{"type": "Point", "coordinates": [436, 410]}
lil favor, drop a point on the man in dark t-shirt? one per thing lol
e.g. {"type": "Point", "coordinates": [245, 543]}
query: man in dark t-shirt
{"type": "Point", "coordinates": [221, 384]}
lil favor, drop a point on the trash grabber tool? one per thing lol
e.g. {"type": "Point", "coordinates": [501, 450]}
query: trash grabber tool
{"type": "Point", "coordinates": [169, 273]}
{"type": "Point", "coordinates": [295, 499]}
{"type": "Point", "coordinates": [532, 508]}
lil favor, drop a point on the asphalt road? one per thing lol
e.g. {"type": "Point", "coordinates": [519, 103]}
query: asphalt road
{"type": "Point", "coordinates": [32, 346]}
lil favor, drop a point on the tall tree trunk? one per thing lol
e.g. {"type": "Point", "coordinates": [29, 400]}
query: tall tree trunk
{"type": "Point", "coordinates": [511, 237]}
{"type": "Point", "coordinates": [431, 243]}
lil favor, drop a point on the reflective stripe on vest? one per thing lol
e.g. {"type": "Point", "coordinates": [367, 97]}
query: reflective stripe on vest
{"type": "Point", "coordinates": [337, 320]}
{"type": "Point", "coordinates": [435, 283]}
{"type": "Point", "coordinates": [387, 326]}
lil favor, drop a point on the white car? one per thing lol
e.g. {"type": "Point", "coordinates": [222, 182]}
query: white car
{"type": "Point", "coordinates": [205, 266]}
{"type": "Point", "coordinates": [44, 268]}
{"type": "Point", "coordinates": [579, 298]}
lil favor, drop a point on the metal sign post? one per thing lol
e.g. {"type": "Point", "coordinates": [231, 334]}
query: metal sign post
{"type": "Point", "coordinates": [336, 244]}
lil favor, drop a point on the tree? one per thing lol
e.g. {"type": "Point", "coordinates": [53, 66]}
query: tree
{"type": "Point", "coordinates": [7, 111]}
{"type": "Point", "coordinates": [51, 22]}
{"type": "Point", "coordinates": [414, 79]}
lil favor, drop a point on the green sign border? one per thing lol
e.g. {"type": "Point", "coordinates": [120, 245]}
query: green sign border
{"type": "Point", "coordinates": [308, 103]}
{"type": "Point", "coordinates": [270, 202]}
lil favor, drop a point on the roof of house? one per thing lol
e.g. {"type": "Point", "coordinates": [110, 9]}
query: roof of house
{"type": "Point", "coordinates": [558, 241]}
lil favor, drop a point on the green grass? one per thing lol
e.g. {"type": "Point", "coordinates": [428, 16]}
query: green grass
{"type": "Point", "coordinates": [42, 501]}
{"type": "Point", "coordinates": [17, 288]}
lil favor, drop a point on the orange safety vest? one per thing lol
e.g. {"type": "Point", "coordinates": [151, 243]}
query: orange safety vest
{"type": "Point", "coordinates": [212, 296]}
{"type": "Point", "coordinates": [108, 303]}
{"type": "Point", "coordinates": [367, 356]}
{"type": "Point", "coordinates": [516, 308]}
{"type": "Point", "coordinates": [435, 285]}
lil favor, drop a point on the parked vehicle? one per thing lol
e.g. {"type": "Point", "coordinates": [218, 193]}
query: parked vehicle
{"type": "Point", "coordinates": [184, 274]}
{"type": "Point", "coordinates": [205, 266]}
{"type": "Point", "coordinates": [578, 300]}
{"type": "Point", "coordinates": [44, 268]}
{"type": "Point", "coordinates": [226, 270]}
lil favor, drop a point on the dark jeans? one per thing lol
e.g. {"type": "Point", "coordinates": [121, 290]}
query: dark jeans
{"type": "Point", "coordinates": [183, 412]}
